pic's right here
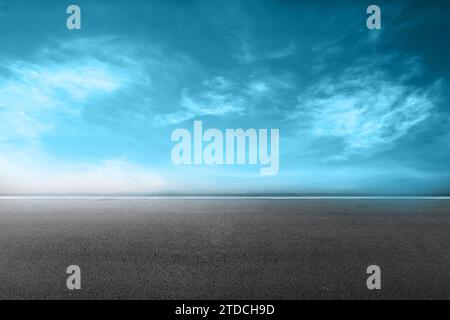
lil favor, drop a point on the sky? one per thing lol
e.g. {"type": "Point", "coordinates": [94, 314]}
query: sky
{"type": "Point", "coordinates": [359, 111]}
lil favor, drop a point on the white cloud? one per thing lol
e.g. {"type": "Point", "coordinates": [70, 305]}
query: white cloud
{"type": "Point", "coordinates": [219, 96]}
{"type": "Point", "coordinates": [269, 85]}
{"type": "Point", "coordinates": [33, 97]}
{"type": "Point", "coordinates": [365, 109]}
{"type": "Point", "coordinates": [50, 91]}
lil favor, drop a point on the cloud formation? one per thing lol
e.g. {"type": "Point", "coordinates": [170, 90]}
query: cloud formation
{"type": "Point", "coordinates": [364, 108]}
{"type": "Point", "coordinates": [34, 97]}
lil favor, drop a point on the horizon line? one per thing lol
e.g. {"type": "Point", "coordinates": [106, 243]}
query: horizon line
{"type": "Point", "coordinates": [116, 197]}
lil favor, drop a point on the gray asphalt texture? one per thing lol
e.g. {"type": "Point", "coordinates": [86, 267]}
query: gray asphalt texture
{"type": "Point", "coordinates": [224, 249]}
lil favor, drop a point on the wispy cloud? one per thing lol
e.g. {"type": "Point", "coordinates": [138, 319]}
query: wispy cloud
{"type": "Point", "coordinates": [49, 92]}
{"type": "Point", "coordinates": [248, 53]}
{"type": "Point", "coordinates": [218, 97]}
{"type": "Point", "coordinates": [33, 97]}
{"type": "Point", "coordinates": [365, 109]}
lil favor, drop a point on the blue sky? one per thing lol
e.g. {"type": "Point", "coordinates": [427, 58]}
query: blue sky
{"type": "Point", "coordinates": [359, 111]}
